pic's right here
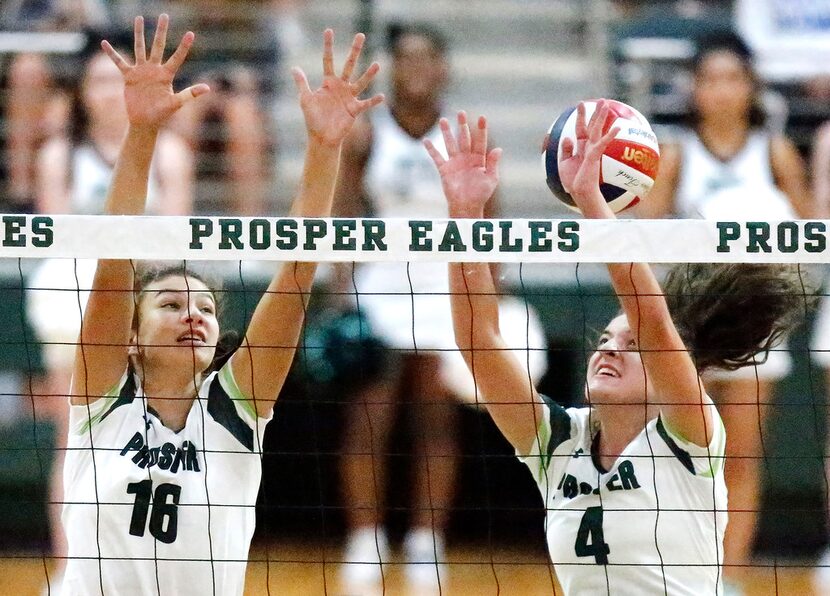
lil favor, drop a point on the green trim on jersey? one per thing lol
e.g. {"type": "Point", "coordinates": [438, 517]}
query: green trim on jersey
{"type": "Point", "coordinates": [102, 406]}
{"type": "Point", "coordinates": [718, 452]}
{"type": "Point", "coordinates": [682, 455]}
{"type": "Point", "coordinates": [230, 385]}
{"type": "Point", "coordinates": [553, 430]}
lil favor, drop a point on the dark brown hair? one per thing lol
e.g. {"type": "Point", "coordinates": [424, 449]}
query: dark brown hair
{"type": "Point", "coordinates": [397, 30]}
{"type": "Point", "coordinates": [732, 44]}
{"type": "Point", "coordinates": [148, 272]}
{"type": "Point", "coordinates": [730, 314]}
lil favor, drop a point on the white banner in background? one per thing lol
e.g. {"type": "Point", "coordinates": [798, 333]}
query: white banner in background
{"type": "Point", "coordinates": [343, 239]}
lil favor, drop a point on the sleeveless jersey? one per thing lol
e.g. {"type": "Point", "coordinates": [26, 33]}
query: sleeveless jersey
{"type": "Point", "coordinates": [152, 511]}
{"type": "Point", "coordinates": [652, 524]}
{"type": "Point", "coordinates": [401, 179]}
{"type": "Point", "coordinates": [90, 178]}
{"type": "Point", "coordinates": [739, 188]}
{"type": "Point", "coordinates": [403, 182]}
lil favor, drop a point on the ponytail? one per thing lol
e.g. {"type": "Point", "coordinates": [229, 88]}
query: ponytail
{"type": "Point", "coordinates": [729, 313]}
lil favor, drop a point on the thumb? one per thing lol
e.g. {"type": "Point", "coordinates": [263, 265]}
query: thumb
{"type": "Point", "coordinates": [191, 93]}
{"type": "Point", "coordinates": [300, 81]}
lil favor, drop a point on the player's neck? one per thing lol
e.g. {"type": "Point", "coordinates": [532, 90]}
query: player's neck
{"type": "Point", "coordinates": [171, 397]}
{"type": "Point", "coordinates": [724, 138]}
{"type": "Point", "coordinates": [618, 424]}
{"type": "Point", "coordinates": [415, 120]}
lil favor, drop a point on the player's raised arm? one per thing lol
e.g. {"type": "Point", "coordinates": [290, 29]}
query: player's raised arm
{"type": "Point", "coordinates": [150, 101]}
{"type": "Point", "coordinates": [469, 177]}
{"type": "Point", "coordinates": [670, 369]}
{"type": "Point", "coordinates": [262, 363]}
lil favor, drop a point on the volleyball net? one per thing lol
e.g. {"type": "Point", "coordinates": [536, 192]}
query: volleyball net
{"type": "Point", "coordinates": [380, 299]}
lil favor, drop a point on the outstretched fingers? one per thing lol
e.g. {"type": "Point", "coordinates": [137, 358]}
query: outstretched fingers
{"type": "Point", "coordinates": [116, 58]}
{"type": "Point", "coordinates": [492, 164]}
{"type": "Point", "coordinates": [449, 138]}
{"type": "Point", "coordinates": [328, 53]}
{"type": "Point", "coordinates": [138, 40]}
{"type": "Point", "coordinates": [602, 144]}
{"type": "Point", "coordinates": [368, 104]}
{"type": "Point", "coordinates": [581, 130]}
{"type": "Point", "coordinates": [464, 140]}
{"type": "Point", "coordinates": [479, 138]}
{"type": "Point", "coordinates": [159, 39]}
{"type": "Point", "coordinates": [354, 54]}
{"type": "Point", "coordinates": [436, 156]}
{"type": "Point", "coordinates": [361, 84]}
{"type": "Point", "coordinates": [177, 59]}
{"type": "Point", "coordinates": [598, 120]}
{"type": "Point", "coordinates": [300, 81]}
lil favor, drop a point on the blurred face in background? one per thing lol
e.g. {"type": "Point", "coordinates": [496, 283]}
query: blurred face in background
{"type": "Point", "coordinates": [724, 87]}
{"type": "Point", "coordinates": [102, 91]}
{"type": "Point", "coordinates": [419, 71]}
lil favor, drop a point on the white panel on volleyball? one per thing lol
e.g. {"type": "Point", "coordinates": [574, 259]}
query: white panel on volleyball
{"type": "Point", "coordinates": [623, 176]}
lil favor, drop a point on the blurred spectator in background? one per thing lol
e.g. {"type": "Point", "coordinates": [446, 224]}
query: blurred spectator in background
{"type": "Point", "coordinates": [72, 175]}
{"type": "Point", "coordinates": [287, 25]}
{"type": "Point", "coordinates": [73, 169]}
{"type": "Point", "coordinates": [726, 165]}
{"type": "Point", "coordinates": [386, 172]}
{"type": "Point", "coordinates": [820, 168]}
{"type": "Point", "coordinates": [32, 108]}
{"type": "Point", "coordinates": [53, 15]}
{"type": "Point", "coordinates": [231, 129]}
{"type": "Point", "coordinates": [820, 344]}
{"type": "Point", "coordinates": [791, 40]}
{"type": "Point", "coordinates": [687, 8]}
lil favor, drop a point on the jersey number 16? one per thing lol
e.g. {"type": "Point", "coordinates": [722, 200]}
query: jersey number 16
{"type": "Point", "coordinates": [164, 517]}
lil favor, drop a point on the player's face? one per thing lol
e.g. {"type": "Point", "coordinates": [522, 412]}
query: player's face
{"type": "Point", "coordinates": [177, 324]}
{"type": "Point", "coordinates": [615, 371]}
{"type": "Point", "coordinates": [723, 86]}
{"type": "Point", "coordinates": [419, 72]}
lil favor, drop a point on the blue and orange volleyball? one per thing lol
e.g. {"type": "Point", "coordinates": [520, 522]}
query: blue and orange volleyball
{"type": "Point", "coordinates": [629, 163]}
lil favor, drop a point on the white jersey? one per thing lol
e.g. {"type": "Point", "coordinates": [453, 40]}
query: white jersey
{"type": "Point", "coordinates": [403, 182]}
{"type": "Point", "coordinates": [652, 524]}
{"type": "Point", "coordinates": [400, 178]}
{"type": "Point", "coordinates": [152, 511]}
{"type": "Point", "coordinates": [740, 188]}
{"type": "Point", "coordinates": [91, 176]}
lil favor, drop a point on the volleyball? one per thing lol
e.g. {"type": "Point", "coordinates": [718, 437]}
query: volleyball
{"type": "Point", "coordinates": [629, 163]}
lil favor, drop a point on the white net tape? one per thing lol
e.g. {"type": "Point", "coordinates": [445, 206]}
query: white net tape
{"type": "Point", "coordinates": [436, 240]}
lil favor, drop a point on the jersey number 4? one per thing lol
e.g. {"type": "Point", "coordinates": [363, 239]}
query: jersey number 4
{"type": "Point", "coordinates": [590, 540]}
{"type": "Point", "coordinates": [164, 517]}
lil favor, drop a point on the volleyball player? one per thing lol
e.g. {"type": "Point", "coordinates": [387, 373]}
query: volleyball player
{"type": "Point", "coordinates": [387, 173]}
{"type": "Point", "coordinates": [633, 483]}
{"type": "Point", "coordinates": [728, 165]}
{"type": "Point", "coordinates": [163, 467]}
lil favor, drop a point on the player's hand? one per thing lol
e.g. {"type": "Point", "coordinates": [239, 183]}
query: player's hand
{"type": "Point", "coordinates": [148, 84]}
{"type": "Point", "coordinates": [331, 110]}
{"type": "Point", "coordinates": [579, 168]}
{"type": "Point", "coordinates": [470, 174]}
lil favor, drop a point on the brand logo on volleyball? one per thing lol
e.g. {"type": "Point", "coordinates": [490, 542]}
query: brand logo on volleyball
{"type": "Point", "coordinates": [641, 132]}
{"type": "Point", "coordinates": [637, 156]}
